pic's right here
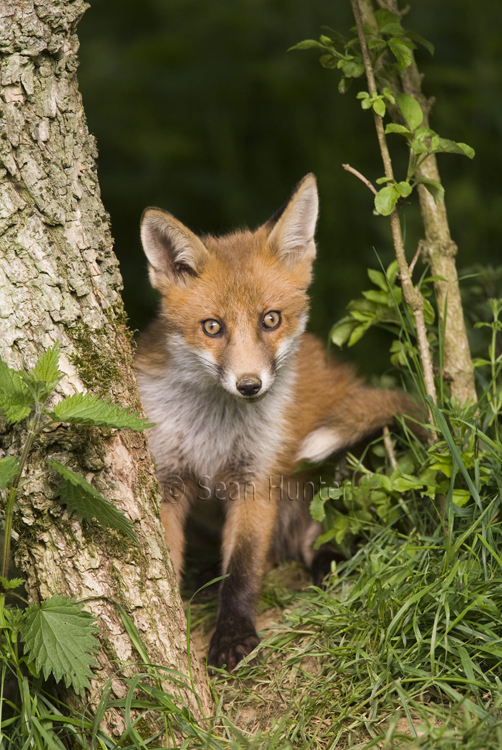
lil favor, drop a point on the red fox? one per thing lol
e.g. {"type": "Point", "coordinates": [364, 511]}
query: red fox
{"type": "Point", "coordinates": [241, 396]}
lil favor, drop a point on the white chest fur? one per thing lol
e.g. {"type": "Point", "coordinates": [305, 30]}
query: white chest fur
{"type": "Point", "coordinates": [203, 429]}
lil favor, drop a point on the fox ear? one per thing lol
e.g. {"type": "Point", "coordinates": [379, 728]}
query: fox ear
{"type": "Point", "coordinates": [173, 251]}
{"type": "Point", "coordinates": [292, 235]}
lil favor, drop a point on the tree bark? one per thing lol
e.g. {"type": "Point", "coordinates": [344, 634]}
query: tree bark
{"type": "Point", "coordinates": [60, 281]}
{"type": "Point", "coordinates": [439, 249]}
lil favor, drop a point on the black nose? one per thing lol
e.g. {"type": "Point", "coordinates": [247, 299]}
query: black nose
{"type": "Point", "coordinates": [249, 385]}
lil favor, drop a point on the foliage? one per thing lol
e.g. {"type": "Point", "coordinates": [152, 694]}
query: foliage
{"type": "Point", "coordinates": [389, 37]}
{"type": "Point", "coordinates": [58, 635]}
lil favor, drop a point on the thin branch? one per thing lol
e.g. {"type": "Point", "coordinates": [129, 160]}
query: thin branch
{"type": "Point", "coordinates": [416, 256]}
{"type": "Point", "coordinates": [348, 168]}
{"type": "Point", "coordinates": [389, 448]}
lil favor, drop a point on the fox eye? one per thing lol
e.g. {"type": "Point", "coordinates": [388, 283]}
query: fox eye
{"type": "Point", "coordinates": [211, 327]}
{"type": "Point", "coordinates": [272, 319]}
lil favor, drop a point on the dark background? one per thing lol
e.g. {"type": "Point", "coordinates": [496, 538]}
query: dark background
{"type": "Point", "coordinates": [198, 108]}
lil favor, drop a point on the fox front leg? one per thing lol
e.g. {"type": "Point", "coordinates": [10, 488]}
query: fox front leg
{"type": "Point", "coordinates": [246, 542]}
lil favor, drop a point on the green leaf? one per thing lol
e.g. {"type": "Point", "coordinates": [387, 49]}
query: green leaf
{"type": "Point", "coordinates": [59, 638]}
{"type": "Point", "coordinates": [444, 146]}
{"type": "Point", "coordinates": [341, 331]}
{"type": "Point", "coordinates": [418, 147]}
{"type": "Point", "coordinates": [367, 103]}
{"type": "Point", "coordinates": [388, 23]}
{"type": "Point", "coordinates": [47, 368]}
{"type": "Point", "coordinates": [9, 467]}
{"type": "Point", "coordinates": [15, 399]}
{"type": "Point", "coordinates": [402, 52]}
{"type": "Point", "coordinates": [13, 583]}
{"type": "Point", "coordinates": [434, 188]}
{"type": "Point", "coordinates": [344, 85]}
{"type": "Point", "coordinates": [352, 69]}
{"type": "Point", "coordinates": [45, 376]}
{"type": "Point", "coordinates": [307, 44]}
{"type": "Point", "coordinates": [429, 314]}
{"type": "Point", "coordinates": [386, 199]}
{"type": "Point", "coordinates": [82, 498]}
{"type": "Point", "coordinates": [405, 483]}
{"type": "Point", "coordinates": [411, 110]}
{"type": "Point", "coordinates": [83, 408]}
{"type": "Point", "coordinates": [362, 95]}
{"type": "Point", "coordinates": [378, 279]}
{"type": "Point", "coordinates": [379, 107]}
{"type": "Point", "coordinates": [404, 188]}
{"type": "Point", "coordinates": [389, 95]}
{"type": "Point", "coordinates": [317, 507]}
{"type": "Point", "coordinates": [461, 497]}
{"type": "Point", "coordinates": [358, 333]}
{"type": "Point", "coordinates": [394, 127]}
{"type": "Point", "coordinates": [417, 38]}
{"type": "Point", "coordinates": [379, 298]}
{"type": "Point", "coordinates": [329, 61]}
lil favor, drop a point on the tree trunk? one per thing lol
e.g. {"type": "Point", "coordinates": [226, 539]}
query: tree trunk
{"type": "Point", "coordinates": [60, 281]}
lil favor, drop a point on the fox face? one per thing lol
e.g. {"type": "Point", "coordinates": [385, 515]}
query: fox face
{"type": "Point", "coordinates": [235, 307]}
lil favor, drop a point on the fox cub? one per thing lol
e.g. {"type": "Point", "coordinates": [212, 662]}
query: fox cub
{"type": "Point", "coordinates": [241, 396]}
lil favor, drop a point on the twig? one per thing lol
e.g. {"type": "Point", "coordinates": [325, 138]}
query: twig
{"type": "Point", "coordinates": [348, 168]}
{"type": "Point", "coordinates": [389, 448]}
{"type": "Point", "coordinates": [416, 256]}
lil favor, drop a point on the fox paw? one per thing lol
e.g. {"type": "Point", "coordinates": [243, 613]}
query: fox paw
{"type": "Point", "coordinates": [228, 648]}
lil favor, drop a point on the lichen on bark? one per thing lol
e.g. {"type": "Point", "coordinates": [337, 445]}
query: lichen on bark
{"type": "Point", "coordinates": [60, 282]}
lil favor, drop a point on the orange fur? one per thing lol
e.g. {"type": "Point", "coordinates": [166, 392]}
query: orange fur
{"type": "Point", "coordinates": [198, 388]}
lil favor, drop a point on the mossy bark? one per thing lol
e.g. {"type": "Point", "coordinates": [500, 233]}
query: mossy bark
{"type": "Point", "coordinates": [60, 281]}
{"type": "Point", "coordinates": [439, 249]}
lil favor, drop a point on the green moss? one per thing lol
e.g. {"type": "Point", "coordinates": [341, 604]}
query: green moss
{"type": "Point", "coordinates": [103, 353]}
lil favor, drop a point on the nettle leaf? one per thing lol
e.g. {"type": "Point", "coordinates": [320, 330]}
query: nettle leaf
{"type": "Point", "coordinates": [9, 467]}
{"type": "Point", "coordinates": [401, 49]}
{"type": "Point", "coordinates": [411, 110]}
{"type": "Point", "coordinates": [82, 498]}
{"type": "Point", "coordinates": [47, 368]}
{"type": "Point", "coordinates": [16, 401]}
{"type": "Point", "coordinates": [444, 146]}
{"type": "Point", "coordinates": [434, 188]}
{"type": "Point", "coordinates": [13, 583]}
{"type": "Point", "coordinates": [386, 199]}
{"type": "Point", "coordinates": [83, 408]}
{"type": "Point", "coordinates": [59, 639]}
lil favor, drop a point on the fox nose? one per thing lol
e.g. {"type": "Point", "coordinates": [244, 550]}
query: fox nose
{"type": "Point", "coordinates": [249, 385]}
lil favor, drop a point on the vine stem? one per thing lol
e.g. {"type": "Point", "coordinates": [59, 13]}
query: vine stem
{"type": "Point", "coordinates": [411, 294]}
